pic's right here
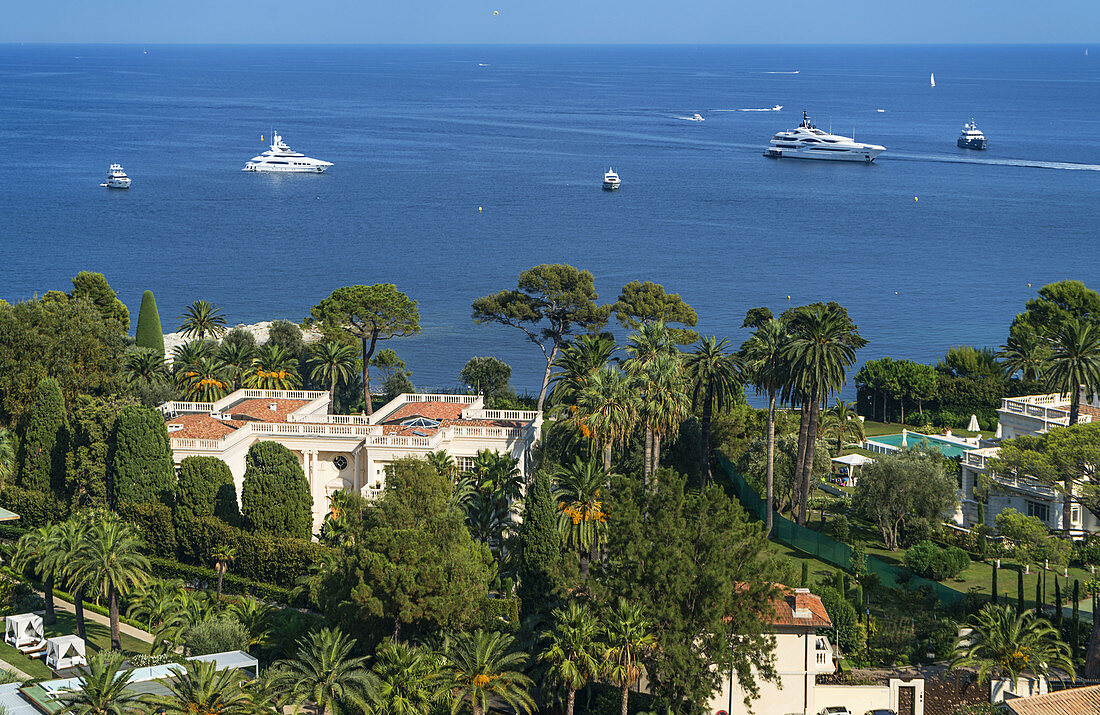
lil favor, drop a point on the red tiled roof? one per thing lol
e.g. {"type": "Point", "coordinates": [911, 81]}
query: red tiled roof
{"type": "Point", "coordinates": [402, 431]}
{"type": "Point", "coordinates": [482, 423]}
{"type": "Point", "coordinates": [1090, 410]}
{"type": "Point", "coordinates": [260, 409]}
{"type": "Point", "coordinates": [431, 410]}
{"type": "Point", "coordinates": [1073, 701]}
{"type": "Point", "coordinates": [792, 600]}
{"type": "Point", "coordinates": [202, 426]}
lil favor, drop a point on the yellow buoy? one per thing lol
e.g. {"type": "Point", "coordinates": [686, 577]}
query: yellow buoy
{"type": "Point", "coordinates": [495, 12]}
{"type": "Point", "coordinates": [479, 209]}
{"type": "Point", "coordinates": [261, 137]}
{"type": "Point", "coordinates": [1028, 285]}
{"type": "Point", "coordinates": [914, 198]}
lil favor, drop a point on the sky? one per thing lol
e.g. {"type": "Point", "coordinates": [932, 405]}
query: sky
{"type": "Point", "coordinates": [551, 22]}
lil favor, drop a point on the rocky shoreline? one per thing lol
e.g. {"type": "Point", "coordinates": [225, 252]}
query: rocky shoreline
{"type": "Point", "coordinates": [259, 331]}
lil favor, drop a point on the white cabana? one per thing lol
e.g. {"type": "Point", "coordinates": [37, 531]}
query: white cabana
{"type": "Point", "coordinates": [24, 631]}
{"type": "Point", "coordinates": [973, 426]}
{"type": "Point", "coordinates": [851, 462]}
{"type": "Point", "coordinates": [65, 652]}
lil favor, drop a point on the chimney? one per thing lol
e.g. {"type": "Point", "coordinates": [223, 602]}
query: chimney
{"type": "Point", "coordinates": [273, 406]}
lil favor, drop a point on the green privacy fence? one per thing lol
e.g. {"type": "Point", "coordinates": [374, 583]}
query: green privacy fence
{"type": "Point", "coordinates": [825, 548]}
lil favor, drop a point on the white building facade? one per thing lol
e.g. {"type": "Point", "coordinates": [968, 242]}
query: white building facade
{"type": "Point", "coordinates": [346, 452]}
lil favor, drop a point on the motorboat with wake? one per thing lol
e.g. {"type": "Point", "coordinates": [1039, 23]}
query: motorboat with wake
{"type": "Point", "coordinates": [280, 157]}
{"type": "Point", "coordinates": [971, 137]}
{"type": "Point", "coordinates": [806, 141]}
{"type": "Point", "coordinates": [116, 178]}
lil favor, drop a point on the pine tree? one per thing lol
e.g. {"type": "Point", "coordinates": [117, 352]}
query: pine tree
{"type": "Point", "coordinates": [93, 287]}
{"type": "Point", "coordinates": [541, 547]}
{"type": "Point", "coordinates": [993, 597]}
{"type": "Point", "coordinates": [149, 333]}
{"type": "Point", "coordinates": [44, 442]}
{"type": "Point", "coordinates": [141, 468]}
{"type": "Point", "coordinates": [275, 496]}
{"type": "Point", "coordinates": [205, 488]}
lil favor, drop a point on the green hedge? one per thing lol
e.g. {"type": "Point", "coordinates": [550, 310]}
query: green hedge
{"type": "Point", "coordinates": [154, 522]}
{"type": "Point", "coordinates": [232, 584]}
{"type": "Point", "coordinates": [34, 508]}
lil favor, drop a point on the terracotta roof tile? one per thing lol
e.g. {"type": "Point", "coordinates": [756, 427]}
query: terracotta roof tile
{"type": "Point", "coordinates": [431, 410]}
{"type": "Point", "coordinates": [1074, 701]}
{"type": "Point", "coordinates": [792, 600]}
{"type": "Point", "coordinates": [202, 426]}
{"type": "Point", "coordinates": [402, 431]}
{"type": "Point", "coordinates": [1090, 410]}
{"type": "Point", "coordinates": [260, 409]}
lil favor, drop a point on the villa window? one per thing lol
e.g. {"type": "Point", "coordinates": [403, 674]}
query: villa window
{"type": "Point", "coordinates": [420, 422]}
{"type": "Point", "coordinates": [464, 464]}
{"type": "Point", "coordinates": [1040, 510]}
{"type": "Point", "coordinates": [1075, 515]}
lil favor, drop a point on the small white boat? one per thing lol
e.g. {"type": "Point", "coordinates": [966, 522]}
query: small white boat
{"type": "Point", "coordinates": [777, 107]}
{"type": "Point", "coordinates": [933, 79]}
{"type": "Point", "coordinates": [697, 117]}
{"type": "Point", "coordinates": [116, 178]}
{"type": "Point", "coordinates": [611, 180]}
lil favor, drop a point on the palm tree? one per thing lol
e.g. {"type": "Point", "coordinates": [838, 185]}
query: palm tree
{"type": "Point", "coordinates": [331, 362]}
{"type": "Point", "coordinates": [443, 463]}
{"type": "Point", "coordinates": [576, 364]}
{"type": "Point", "coordinates": [256, 617]}
{"type": "Point", "coordinates": [409, 680]}
{"type": "Point", "coordinates": [7, 456]}
{"type": "Point", "coordinates": [68, 545]}
{"type": "Point", "coordinates": [766, 368]}
{"type": "Point", "coordinates": [628, 637]}
{"type": "Point", "coordinates": [34, 550]}
{"type": "Point", "coordinates": [1004, 644]}
{"type": "Point", "coordinates": [715, 376]}
{"type": "Point", "coordinates": [821, 348]}
{"type": "Point", "coordinates": [573, 650]}
{"type": "Point", "coordinates": [483, 665]}
{"type": "Point", "coordinates": [656, 368]}
{"type": "Point", "coordinates": [1026, 354]}
{"type": "Point", "coordinates": [156, 603]}
{"type": "Point", "coordinates": [841, 423]}
{"type": "Point", "coordinates": [1075, 364]}
{"type": "Point", "coordinates": [112, 566]}
{"type": "Point", "coordinates": [273, 368]}
{"type": "Point", "coordinates": [104, 689]}
{"type": "Point", "coordinates": [202, 689]}
{"type": "Point", "coordinates": [267, 692]}
{"type": "Point", "coordinates": [581, 520]}
{"type": "Point", "coordinates": [223, 556]}
{"type": "Point", "coordinates": [609, 406]}
{"type": "Point", "coordinates": [235, 359]}
{"type": "Point", "coordinates": [203, 380]}
{"type": "Point", "coordinates": [202, 319]}
{"type": "Point", "coordinates": [145, 365]}
{"type": "Point", "coordinates": [326, 674]}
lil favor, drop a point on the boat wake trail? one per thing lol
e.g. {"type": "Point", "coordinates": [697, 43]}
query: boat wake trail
{"type": "Point", "coordinates": [1022, 163]}
{"type": "Point", "coordinates": [749, 109]}
{"type": "Point", "coordinates": [795, 72]}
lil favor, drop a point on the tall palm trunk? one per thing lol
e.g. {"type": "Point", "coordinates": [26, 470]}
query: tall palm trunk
{"type": "Point", "coordinates": [647, 458]}
{"type": "Point", "coordinates": [51, 614]}
{"type": "Point", "coordinates": [1067, 508]}
{"type": "Point", "coordinates": [626, 694]}
{"type": "Point", "coordinates": [704, 467]}
{"type": "Point", "coordinates": [569, 704]}
{"type": "Point", "coordinates": [78, 598]}
{"type": "Point", "coordinates": [656, 456]}
{"type": "Point", "coordinates": [803, 430]}
{"type": "Point", "coordinates": [771, 465]}
{"type": "Point", "coordinates": [607, 456]}
{"type": "Point", "coordinates": [808, 465]}
{"type": "Point", "coordinates": [112, 610]}
{"type": "Point", "coordinates": [221, 575]}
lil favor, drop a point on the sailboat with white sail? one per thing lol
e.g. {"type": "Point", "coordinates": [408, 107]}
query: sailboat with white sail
{"type": "Point", "coordinates": [933, 79]}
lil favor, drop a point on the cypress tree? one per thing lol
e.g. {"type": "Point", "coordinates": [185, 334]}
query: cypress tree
{"type": "Point", "coordinates": [1039, 593]}
{"type": "Point", "coordinates": [45, 440]}
{"type": "Point", "coordinates": [141, 468]}
{"type": "Point", "coordinates": [205, 488]}
{"type": "Point", "coordinates": [149, 333]}
{"type": "Point", "coordinates": [994, 589]}
{"type": "Point", "coordinates": [275, 496]}
{"type": "Point", "coordinates": [541, 547]}
{"type": "Point", "coordinates": [1057, 603]}
{"type": "Point", "coordinates": [805, 582]}
{"type": "Point", "coordinates": [1076, 624]}
{"type": "Point", "coordinates": [1019, 590]}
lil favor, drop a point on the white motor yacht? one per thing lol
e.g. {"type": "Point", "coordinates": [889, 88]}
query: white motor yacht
{"type": "Point", "coordinates": [971, 137]}
{"type": "Point", "coordinates": [697, 118]}
{"type": "Point", "coordinates": [116, 178]}
{"type": "Point", "coordinates": [777, 107]}
{"type": "Point", "coordinates": [280, 157]}
{"type": "Point", "coordinates": [808, 142]}
{"type": "Point", "coordinates": [611, 180]}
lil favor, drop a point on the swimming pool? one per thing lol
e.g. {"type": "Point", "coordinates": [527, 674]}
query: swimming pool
{"type": "Point", "coordinates": [915, 440]}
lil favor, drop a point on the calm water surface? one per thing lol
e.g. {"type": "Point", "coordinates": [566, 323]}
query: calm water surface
{"type": "Point", "coordinates": [421, 137]}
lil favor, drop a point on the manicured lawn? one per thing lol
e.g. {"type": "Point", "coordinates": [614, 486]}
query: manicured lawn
{"type": "Point", "coordinates": [99, 635]}
{"type": "Point", "coordinates": [30, 666]}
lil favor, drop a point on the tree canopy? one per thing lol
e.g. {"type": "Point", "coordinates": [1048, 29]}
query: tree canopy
{"type": "Point", "coordinates": [488, 375]}
{"type": "Point", "coordinates": [643, 303]}
{"type": "Point", "coordinates": [149, 332]}
{"type": "Point", "coordinates": [94, 288]}
{"type": "Point", "coordinates": [45, 440]}
{"type": "Point", "coordinates": [367, 314]}
{"type": "Point", "coordinates": [205, 488]}
{"type": "Point", "coordinates": [907, 490]}
{"type": "Point", "coordinates": [275, 496]}
{"type": "Point", "coordinates": [550, 303]}
{"type": "Point", "coordinates": [141, 468]}
{"type": "Point", "coordinates": [1056, 305]}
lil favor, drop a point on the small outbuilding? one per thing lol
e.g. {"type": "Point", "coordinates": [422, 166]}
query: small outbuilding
{"type": "Point", "coordinates": [24, 631]}
{"type": "Point", "coordinates": [849, 466]}
{"type": "Point", "coordinates": [65, 652]}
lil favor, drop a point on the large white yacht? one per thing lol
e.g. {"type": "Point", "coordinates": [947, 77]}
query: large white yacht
{"type": "Point", "coordinates": [116, 178]}
{"type": "Point", "coordinates": [971, 137]}
{"type": "Point", "coordinates": [808, 142]}
{"type": "Point", "coordinates": [280, 157]}
{"type": "Point", "coordinates": [611, 181]}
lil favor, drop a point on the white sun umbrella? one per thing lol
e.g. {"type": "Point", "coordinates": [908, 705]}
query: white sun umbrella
{"type": "Point", "coordinates": [973, 426]}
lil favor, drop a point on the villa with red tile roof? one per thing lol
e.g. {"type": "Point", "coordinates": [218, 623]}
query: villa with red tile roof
{"type": "Point", "coordinates": [346, 452]}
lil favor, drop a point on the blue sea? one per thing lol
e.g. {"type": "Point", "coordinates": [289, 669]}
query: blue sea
{"type": "Point", "coordinates": [421, 137]}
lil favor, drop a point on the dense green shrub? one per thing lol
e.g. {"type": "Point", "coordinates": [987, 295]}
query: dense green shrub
{"type": "Point", "coordinates": [90, 432]}
{"type": "Point", "coordinates": [498, 614]}
{"type": "Point", "coordinates": [838, 528]}
{"type": "Point", "coordinates": [275, 497]}
{"type": "Point", "coordinates": [140, 462]}
{"type": "Point", "coordinates": [216, 635]}
{"type": "Point", "coordinates": [44, 441]}
{"type": "Point", "coordinates": [34, 508]}
{"type": "Point", "coordinates": [154, 523]}
{"type": "Point", "coordinates": [149, 333]}
{"type": "Point", "coordinates": [930, 561]}
{"type": "Point", "coordinates": [843, 615]}
{"type": "Point", "coordinates": [169, 569]}
{"type": "Point", "coordinates": [205, 488]}
{"type": "Point", "coordinates": [540, 547]}
{"type": "Point", "coordinates": [262, 558]}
